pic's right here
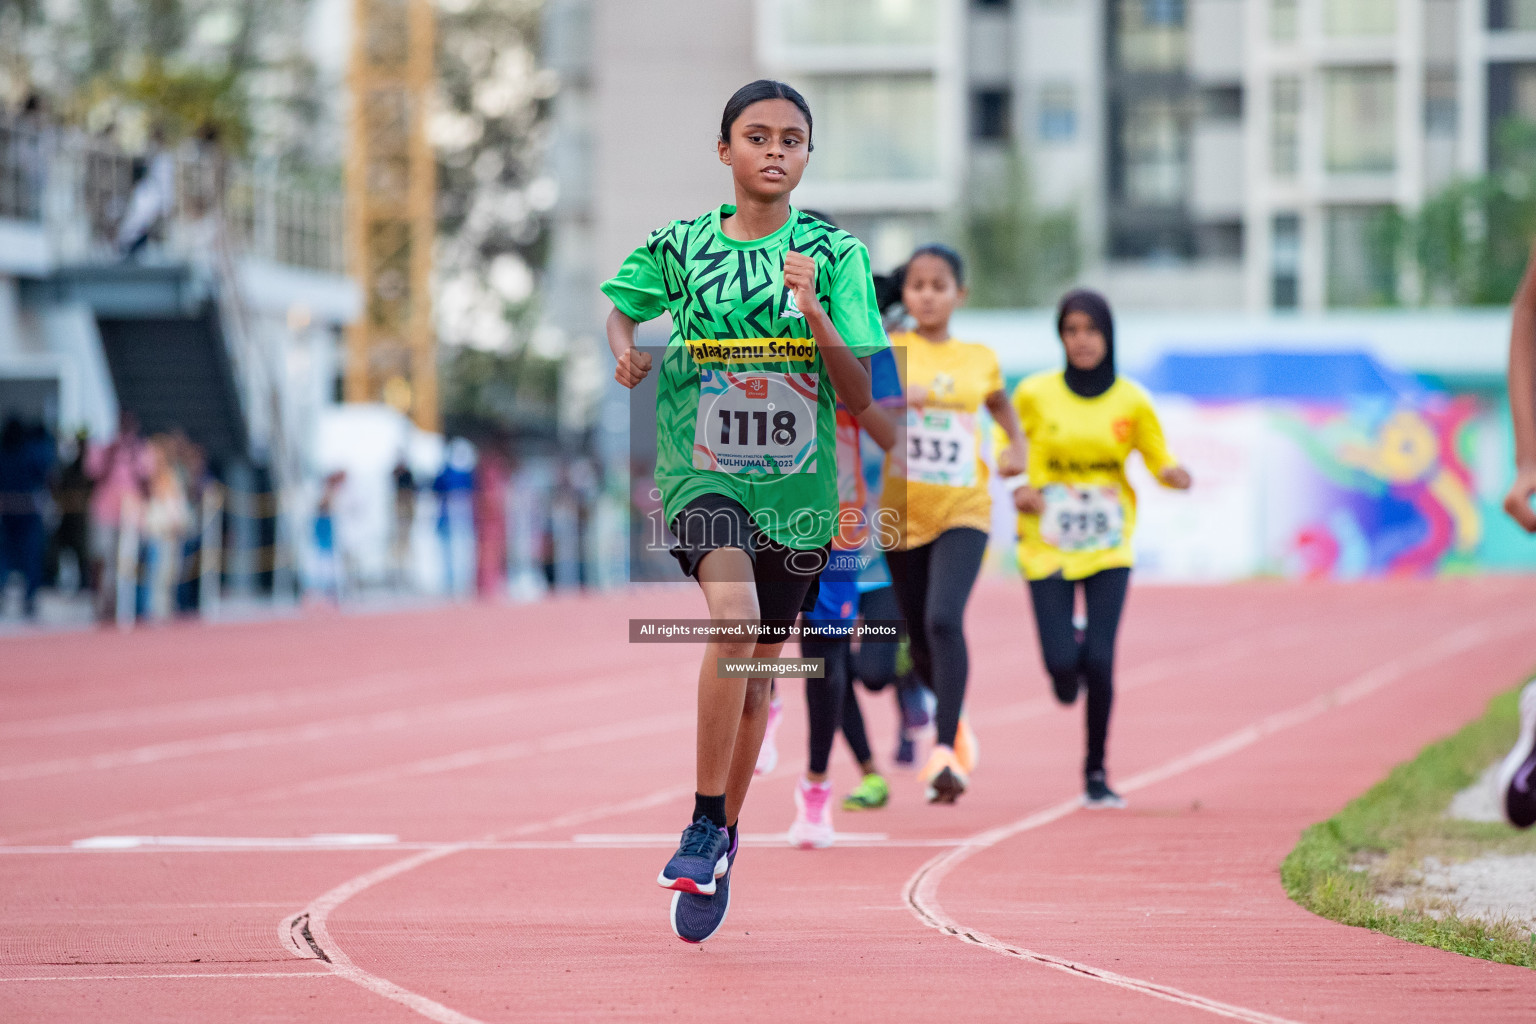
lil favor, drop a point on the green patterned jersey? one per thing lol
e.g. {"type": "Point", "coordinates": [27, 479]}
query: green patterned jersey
{"type": "Point", "coordinates": [744, 405]}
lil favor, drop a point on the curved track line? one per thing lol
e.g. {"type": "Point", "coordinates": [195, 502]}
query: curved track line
{"type": "Point", "coordinates": [314, 917]}
{"type": "Point", "coordinates": [921, 890]}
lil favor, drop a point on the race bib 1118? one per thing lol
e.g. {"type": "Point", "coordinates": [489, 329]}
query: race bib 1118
{"type": "Point", "coordinates": [756, 421]}
{"type": "Point", "coordinates": [1082, 518]}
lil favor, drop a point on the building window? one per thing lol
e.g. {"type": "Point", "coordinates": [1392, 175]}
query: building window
{"type": "Point", "coordinates": [1222, 240]}
{"type": "Point", "coordinates": [1359, 17]}
{"type": "Point", "coordinates": [1360, 130]}
{"type": "Point", "coordinates": [1153, 143]}
{"type": "Point", "coordinates": [1222, 103]}
{"type": "Point", "coordinates": [1516, 15]}
{"type": "Point", "coordinates": [991, 114]}
{"type": "Point", "coordinates": [1285, 261]}
{"type": "Point", "coordinates": [1149, 35]}
{"type": "Point", "coordinates": [1511, 98]}
{"type": "Point", "coordinates": [1362, 255]}
{"type": "Point", "coordinates": [860, 22]}
{"type": "Point", "coordinates": [1285, 126]}
{"type": "Point", "coordinates": [874, 127]}
{"type": "Point", "coordinates": [1058, 113]}
{"type": "Point", "coordinates": [1282, 20]}
{"type": "Point", "coordinates": [993, 5]}
{"type": "Point", "coordinates": [1440, 103]}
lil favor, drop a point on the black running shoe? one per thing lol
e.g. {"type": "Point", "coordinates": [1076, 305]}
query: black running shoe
{"type": "Point", "coordinates": [700, 859]}
{"type": "Point", "coordinates": [1097, 795]}
{"type": "Point", "coordinates": [695, 917]}
{"type": "Point", "coordinates": [1519, 767]}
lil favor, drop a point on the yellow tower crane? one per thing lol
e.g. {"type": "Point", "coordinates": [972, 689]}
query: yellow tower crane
{"type": "Point", "coordinates": [391, 181]}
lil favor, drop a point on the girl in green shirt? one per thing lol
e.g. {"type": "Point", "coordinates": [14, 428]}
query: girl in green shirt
{"type": "Point", "coordinates": [771, 312]}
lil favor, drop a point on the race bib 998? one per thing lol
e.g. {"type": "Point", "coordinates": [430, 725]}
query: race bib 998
{"type": "Point", "coordinates": [756, 421]}
{"type": "Point", "coordinates": [941, 447]}
{"type": "Point", "coordinates": [1082, 518]}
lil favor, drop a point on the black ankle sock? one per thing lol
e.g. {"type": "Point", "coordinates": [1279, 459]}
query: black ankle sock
{"type": "Point", "coordinates": [731, 831]}
{"type": "Point", "coordinates": [711, 807]}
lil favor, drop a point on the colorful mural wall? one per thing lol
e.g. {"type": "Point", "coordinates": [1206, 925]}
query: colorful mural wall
{"type": "Point", "coordinates": [1323, 466]}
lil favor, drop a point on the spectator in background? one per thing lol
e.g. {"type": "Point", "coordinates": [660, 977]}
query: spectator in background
{"type": "Point", "coordinates": [153, 198]}
{"type": "Point", "coordinates": [491, 478]}
{"type": "Point", "coordinates": [120, 471]}
{"type": "Point", "coordinates": [72, 498]}
{"type": "Point", "coordinates": [454, 487]}
{"type": "Point", "coordinates": [167, 521]}
{"type": "Point", "coordinates": [25, 461]}
{"type": "Point", "coordinates": [327, 573]}
{"type": "Point", "coordinates": [405, 521]}
{"type": "Point", "coordinates": [191, 465]}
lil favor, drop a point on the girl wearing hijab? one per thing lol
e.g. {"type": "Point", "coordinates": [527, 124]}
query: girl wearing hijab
{"type": "Point", "coordinates": [1077, 511]}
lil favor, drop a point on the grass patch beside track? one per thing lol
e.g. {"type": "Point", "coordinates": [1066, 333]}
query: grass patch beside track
{"type": "Point", "coordinates": [1343, 865]}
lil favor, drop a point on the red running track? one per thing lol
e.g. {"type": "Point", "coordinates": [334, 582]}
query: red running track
{"type": "Point", "coordinates": [535, 769]}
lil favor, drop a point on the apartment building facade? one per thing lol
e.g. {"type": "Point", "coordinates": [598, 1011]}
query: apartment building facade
{"type": "Point", "coordinates": [1216, 154]}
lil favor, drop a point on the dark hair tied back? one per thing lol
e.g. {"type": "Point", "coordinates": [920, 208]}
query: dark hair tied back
{"type": "Point", "coordinates": [756, 92]}
{"type": "Point", "coordinates": [943, 252]}
{"type": "Point", "coordinates": [888, 290]}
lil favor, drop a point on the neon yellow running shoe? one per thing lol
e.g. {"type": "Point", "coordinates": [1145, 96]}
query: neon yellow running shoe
{"type": "Point", "coordinates": [871, 792]}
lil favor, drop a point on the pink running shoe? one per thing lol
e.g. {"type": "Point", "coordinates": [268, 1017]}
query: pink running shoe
{"type": "Point", "coordinates": [768, 753]}
{"type": "Point", "coordinates": [812, 829]}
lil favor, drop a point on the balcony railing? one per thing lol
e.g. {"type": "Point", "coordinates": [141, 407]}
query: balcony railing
{"type": "Point", "coordinates": [82, 189]}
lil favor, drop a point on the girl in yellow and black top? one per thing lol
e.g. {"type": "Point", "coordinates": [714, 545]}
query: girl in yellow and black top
{"type": "Point", "coordinates": [1077, 511]}
{"type": "Point", "coordinates": [936, 498]}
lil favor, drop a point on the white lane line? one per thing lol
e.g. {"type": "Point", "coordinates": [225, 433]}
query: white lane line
{"type": "Point", "coordinates": [921, 890]}
{"type": "Point", "coordinates": [637, 842]}
{"type": "Point", "coordinates": [310, 732]}
{"type": "Point", "coordinates": [261, 701]}
{"type": "Point", "coordinates": [1238, 649]}
{"type": "Point", "coordinates": [323, 840]}
{"type": "Point", "coordinates": [473, 758]}
{"type": "Point", "coordinates": [670, 838]}
{"type": "Point", "coordinates": [157, 977]}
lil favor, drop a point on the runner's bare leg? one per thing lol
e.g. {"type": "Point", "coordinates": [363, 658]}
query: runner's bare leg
{"type": "Point", "coordinates": [725, 576]}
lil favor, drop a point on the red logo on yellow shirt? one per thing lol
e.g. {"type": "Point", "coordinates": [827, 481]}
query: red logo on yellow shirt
{"type": "Point", "coordinates": [1122, 429]}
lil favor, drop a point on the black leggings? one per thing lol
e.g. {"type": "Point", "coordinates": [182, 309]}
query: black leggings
{"type": "Point", "coordinates": [873, 664]}
{"type": "Point", "coordinates": [933, 583]}
{"type": "Point", "coordinates": [825, 697]}
{"type": "Point", "coordinates": [1089, 661]}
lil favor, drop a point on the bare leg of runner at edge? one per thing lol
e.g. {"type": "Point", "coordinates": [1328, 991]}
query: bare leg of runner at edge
{"type": "Point", "coordinates": [1517, 773]}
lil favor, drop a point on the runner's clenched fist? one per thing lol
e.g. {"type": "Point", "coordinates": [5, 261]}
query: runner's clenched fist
{"type": "Point", "coordinates": [800, 278]}
{"type": "Point", "coordinates": [632, 368]}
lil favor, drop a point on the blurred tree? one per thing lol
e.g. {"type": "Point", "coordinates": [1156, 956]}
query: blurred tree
{"type": "Point", "coordinates": [1020, 255]}
{"type": "Point", "coordinates": [489, 129]}
{"type": "Point", "coordinates": [242, 66]}
{"type": "Point", "coordinates": [1471, 240]}
{"type": "Point", "coordinates": [497, 395]}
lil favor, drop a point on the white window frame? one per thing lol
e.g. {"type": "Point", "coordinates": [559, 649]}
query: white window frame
{"type": "Point", "coordinates": [943, 60]}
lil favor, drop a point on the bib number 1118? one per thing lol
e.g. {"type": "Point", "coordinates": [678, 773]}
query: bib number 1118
{"type": "Point", "coordinates": [751, 428]}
